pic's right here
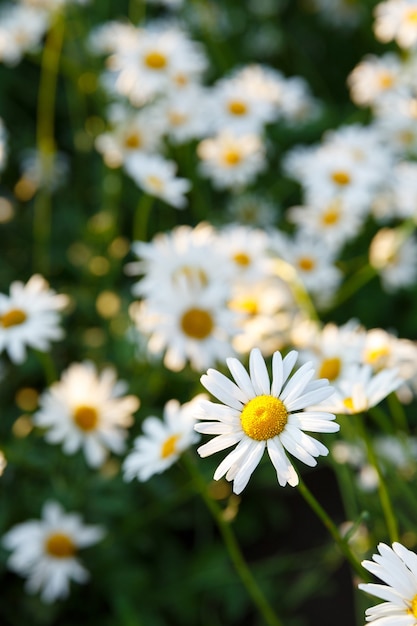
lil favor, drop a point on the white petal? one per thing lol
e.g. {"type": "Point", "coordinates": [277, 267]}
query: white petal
{"type": "Point", "coordinates": [277, 374]}
{"type": "Point", "coordinates": [259, 373]}
{"type": "Point", "coordinates": [241, 377]}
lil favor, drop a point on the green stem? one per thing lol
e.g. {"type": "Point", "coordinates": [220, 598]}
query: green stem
{"type": "Point", "coordinates": [332, 528]}
{"type": "Point", "coordinates": [384, 497]}
{"type": "Point", "coordinates": [48, 366]}
{"type": "Point", "coordinates": [288, 274]}
{"type": "Point", "coordinates": [45, 139]}
{"type": "Point", "coordinates": [351, 286]}
{"type": "Point", "coordinates": [141, 218]}
{"type": "Point", "coordinates": [232, 546]}
{"type": "Point", "coordinates": [137, 11]}
{"type": "Point", "coordinates": [397, 412]}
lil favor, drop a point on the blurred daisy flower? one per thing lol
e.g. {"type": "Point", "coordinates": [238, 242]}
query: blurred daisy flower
{"type": "Point", "coordinates": [87, 410]}
{"type": "Point", "coordinates": [396, 20]}
{"type": "Point", "coordinates": [361, 389]}
{"type": "Point", "coordinates": [231, 161]}
{"type": "Point", "coordinates": [397, 568]}
{"type": "Point", "coordinates": [373, 77]}
{"type": "Point", "coordinates": [45, 551]}
{"type": "Point", "coordinates": [21, 30]}
{"type": "Point", "coordinates": [193, 327]}
{"type": "Point", "coordinates": [394, 256]}
{"type": "Point", "coordinates": [29, 317]}
{"type": "Point", "coordinates": [156, 176]}
{"type": "Point", "coordinates": [163, 441]}
{"type": "Point", "coordinates": [256, 415]}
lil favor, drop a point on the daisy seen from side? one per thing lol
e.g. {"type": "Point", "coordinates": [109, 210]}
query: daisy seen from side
{"type": "Point", "coordinates": [86, 409]}
{"type": "Point", "coordinates": [162, 442]}
{"type": "Point", "coordinates": [45, 551]}
{"type": "Point", "coordinates": [395, 566]}
{"type": "Point", "coordinates": [257, 414]}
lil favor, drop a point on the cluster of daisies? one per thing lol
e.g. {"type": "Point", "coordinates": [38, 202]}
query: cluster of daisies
{"type": "Point", "coordinates": [224, 296]}
{"type": "Point", "coordinates": [155, 78]}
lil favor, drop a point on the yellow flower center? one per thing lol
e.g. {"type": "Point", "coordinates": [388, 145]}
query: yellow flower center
{"type": "Point", "coordinates": [245, 305]}
{"type": "Point", "coordinates": [330, 368]}
{"type": "Point", "coordinates": [413, 608]}
{"type": "Point", "coordinates": [232, 157]}
{"type": "Point", "coordinates": [386, 80]}
{"type": "Point", "coordinates": [237, 107]}
{"type": "Point", "coordinates": [86, 417]}
{"type": "Point", "coordinates": [307, 264]}
{"type": "Point", "coordinates": [348, 402]}
{"type": "Point", "coordinates": [155, 183]}
{"type": "Point", "coordinates": [133, 141]}
{"type": "Point", "coordinates": [155, 60]}
{"type": "Point", "coordinates": [411, 16]}
{"type": "Point", "coordinates": [197, 323]}
{"type": "Point", "coordinates": [331, 216]}
{"type": "Point", "coordinates": [241, 258]}
{"type": "Point", "coordinates": [60, 546]}
{"type": "Point", "coordinates": [341, 178]}
{"type": "Point", "coordinates": [14, 317]}
{"type": "Point", "coordinates": [169, 446]}
{"type": "Point", "coordinates": [176, 118]}
{"type": "Point", "coordinates": [264, 417]}
{"type": "Point", "coordinates": [377, 355]}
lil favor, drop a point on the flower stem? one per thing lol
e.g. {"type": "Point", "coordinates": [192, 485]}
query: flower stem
{"type": "Point", "coordinates": [332, 528]}
{"type": "Point", "coordinates": [233, 548]}
{"type": "Point", "coordinates": [45, 139]}
{"type": "Point", "coordinates": [141, 218]}
{"type": "Point", "coordinates": [384, 497]}
{"type": "Point", "coordinates": [288, 274]}
{"type": "Point", "coordinates": [351, 286]}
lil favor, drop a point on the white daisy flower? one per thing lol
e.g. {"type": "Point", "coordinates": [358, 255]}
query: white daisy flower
{"type": "Point", "coordinates": [361, 389]}
{"type": "Point", "coordinates": [397, 568]}
{"type": "Point", "coordinates": [45, 551]}
{"type": "Point", "coordinates": [156, 176]}
{"type": "Point", "coordinates": [374, 77]}
{"type": "Point", "coordinates": [163, 441]}
{"type": "Point", "coordinates": [394, 257]}
{"type": "Point", "coordinates": [194, 327]}
{"type": "Point", "coordinates": [396, 20]}
{"type": "Point", "coordinates": [87, 410]}
{"type": "Point", "coordinates": [21, 30]}
{"type": "Point", "coordinates": [29, 317]}
{"type": "Point", "coordinates": [231, 161]}
{"type": "Point", "coordinates": [256, 414]}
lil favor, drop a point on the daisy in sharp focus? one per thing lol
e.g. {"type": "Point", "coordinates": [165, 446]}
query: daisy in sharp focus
{"type": "Point", "coordinates": [163, 441]}
{"type": "Point", "coordinates": [397, 568]}
{"type": "Point", "coordinates": [87, 410]}
{"type": "Point", "coordinates": [257, 414]}
{"type": "Point", "coordinates": [45, 551]}
{"type": "Point", "coordinates": [29, 317]}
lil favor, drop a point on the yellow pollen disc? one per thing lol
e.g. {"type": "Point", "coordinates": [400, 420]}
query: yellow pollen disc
{"type": "Point", "coordinates": [86, 417]}
{"type": "Point", "coordinates": [376, 355]}
{"type": "Point", "coordinates": [236, 107]}
{"type": "Point", "coordinates": [155, 183]}
{"type": "Point", "coordinates": [232, 157]}
{"type": "Point", "coordinates": [181, 80]}
{"type": "Point", "coordinates": [169, 446]}
{"type": "Point", "coordinates": [340, 178]}
{"type": "Point", "coordinates": [241, 259]}
{"type": "Point", "coordinates": [176, 118]}
{"type": "Point", "coordinates": [330, 217]}
{"type": "Point", "coordinates": [133, 141]}
{"type": "Point", "coordinates": [264, 417]}
{"type": "Point", "coordinates": [330, 368]}
{"type": "Point", "coordinates": [386, 80]}
{"type": "Point", "coordinates": [155, 60]}
{"type": "Point", "coordinates": [60, 546]}
{"type": "Point", "coordinates": [413, 608]}
{"type": "Point", "coordinates": [411, 16]}
{"type": "Point", "coordinates": [348, 402]}
{"type": "Point", "coordinates": [245, 306]}
{"type": "Point", "coordinates": [14, 317]}
{"type": "Point", "coordinates": [197, 323]}
{"type": "Point", "coordinates": [306, 264]}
